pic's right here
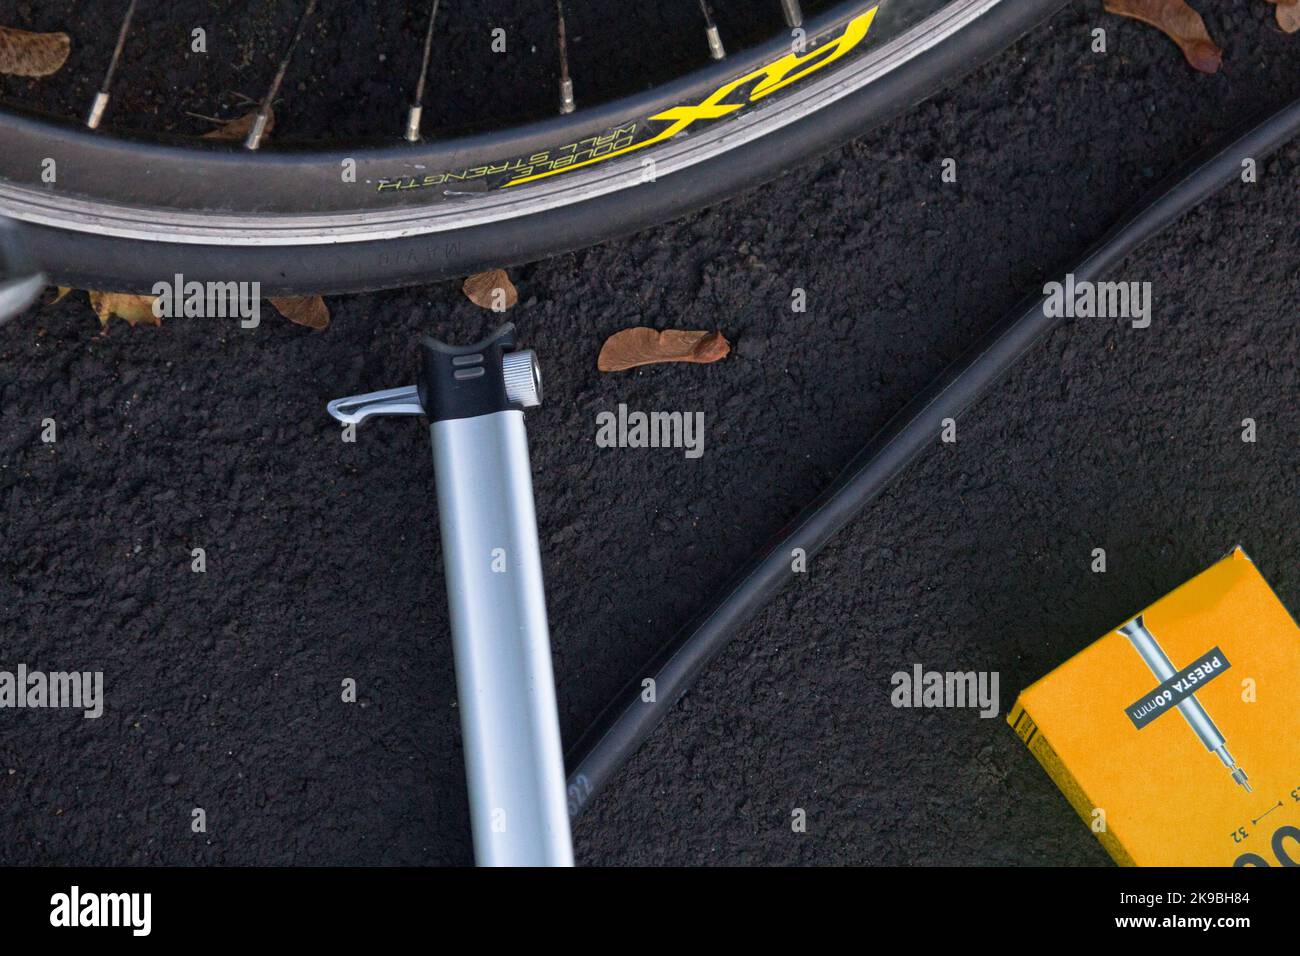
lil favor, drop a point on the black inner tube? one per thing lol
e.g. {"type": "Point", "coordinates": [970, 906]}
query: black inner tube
{"type": "Point", "coordinates": [622, 727]}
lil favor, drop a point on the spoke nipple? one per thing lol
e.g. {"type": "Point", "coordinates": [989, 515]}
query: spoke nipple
{"type": "Point", "coordinates": [716, 49]}
{"type": "Point", "coordinates": [97, 110]}
{"type": "Point", "coordinates": [567, 104]}
{"type": "Point", "coordinates": [257, 132]}
{"type": "Point", "coordinates": [413, 124]}
{"type": "Point", "coordinates": [793, 15]}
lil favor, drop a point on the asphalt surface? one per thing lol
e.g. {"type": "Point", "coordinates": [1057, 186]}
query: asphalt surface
{"type": "Point", "coordinates": [223, 688]}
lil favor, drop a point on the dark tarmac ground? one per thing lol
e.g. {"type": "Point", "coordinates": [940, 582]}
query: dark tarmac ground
{"type": "Point", "coordinates": [323, 563]}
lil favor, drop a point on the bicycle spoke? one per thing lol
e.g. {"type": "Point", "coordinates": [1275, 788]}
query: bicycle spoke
{"type": "Point", "coordinates": [101, 98]}
{"type": "Point", "coordinates": [417, 102]}
{"type": "Point", "coordinates": [716, 50]}
{"type": "Point", "coordinates": [255, 127]}
{"type": "Point", "coordinates": [258, 130]}
{"type": "Point", "coordinates": [567, 104]}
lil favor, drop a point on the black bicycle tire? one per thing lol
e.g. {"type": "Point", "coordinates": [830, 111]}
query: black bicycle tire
{"type": "Point", "coordinates": [85, 259]}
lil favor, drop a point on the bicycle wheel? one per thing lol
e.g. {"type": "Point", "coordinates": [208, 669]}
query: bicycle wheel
{"type": "Point", "coordinates": [127, 211]}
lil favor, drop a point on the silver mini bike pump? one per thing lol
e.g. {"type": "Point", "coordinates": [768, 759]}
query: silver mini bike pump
{"type": "Point", "coordinates": [473, 397]}
{"type": "Point", "coordinates": [1149, 649]}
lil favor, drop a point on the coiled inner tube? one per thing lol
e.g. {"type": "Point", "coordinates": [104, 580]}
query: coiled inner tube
{"type": "Point", "coordinates": [626, 722]}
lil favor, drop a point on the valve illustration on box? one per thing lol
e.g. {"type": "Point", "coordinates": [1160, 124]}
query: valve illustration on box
{"type": "Point", "coordinates": [1178, 689]}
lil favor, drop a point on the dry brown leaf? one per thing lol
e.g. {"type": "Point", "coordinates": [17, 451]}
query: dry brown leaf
{"type": "Point", "coordinates": [491, 290]}
{"type": "Point", "coordinates": [135, 309]}
{"type": "Point", "coordinates": [239, 127]}
{"type": "Point", "coordinates": [1180, 23]}
{"type": "Point", "coordinates": [57, 296]}
{"type": "Point", "coordinates": [645, 346]}
{"type": "Point", "coordinates": [1288, 16]}
{"type": "Point", "coordinates": [32, 54]}
{"type": "Point", "coordinates": [308, 310]}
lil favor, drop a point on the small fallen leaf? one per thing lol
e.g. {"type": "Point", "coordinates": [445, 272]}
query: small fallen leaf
{"type": "Point", "coordinates": [491, 290]}
{"type": "Point", "coordinates": [32, 54]}
{"type": "Point", "coordinates": [239, 127]}
{"type": "Point", "coordinates": [135, 309]}
{"type": "Point", "coordinates": [1288, 16]}
{"type": "Point", "coordinates": [1180, 23]}
{"type": "Point", "coordinates": [646, 346]}
{"type": "Point", "coordinates": [308, 310]}
{"type": "Point", "coordinates": [55, 297]}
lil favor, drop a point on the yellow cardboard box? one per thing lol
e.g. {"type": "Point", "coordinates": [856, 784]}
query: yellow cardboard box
{"type": "Point", "coordinates": [1218, 782]}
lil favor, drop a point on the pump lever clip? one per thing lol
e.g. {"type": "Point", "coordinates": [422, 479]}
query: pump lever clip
{"type": "Point", "coordinates": [391, 401]}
